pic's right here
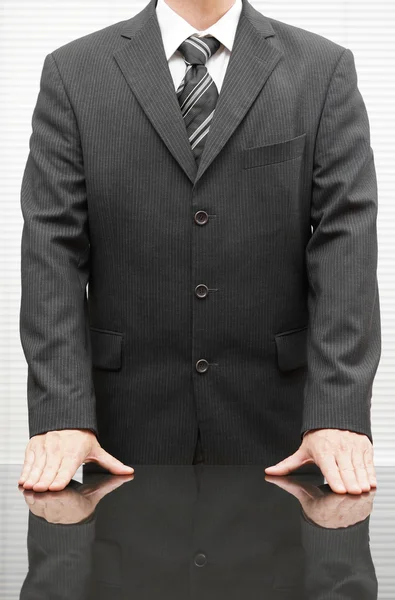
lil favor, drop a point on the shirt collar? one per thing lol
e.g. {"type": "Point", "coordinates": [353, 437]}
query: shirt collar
{"type": "Point", "coordinates": [175, 29]}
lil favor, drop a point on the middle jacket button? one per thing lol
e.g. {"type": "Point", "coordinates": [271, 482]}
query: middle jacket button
{"type": "Point", "coordinates": [201, 290]}
{"type": "Point", "coordinates": [201, 365]}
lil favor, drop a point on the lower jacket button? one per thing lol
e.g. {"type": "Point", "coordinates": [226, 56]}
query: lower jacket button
{"type": "Point", "coordinates": [201, 290]}
{"type": "Point", "coordinates": [201, 365]}
{"type": "Point", "coordinates": [200, 559]}
{"type": "Point", "coordinates": [201, 217]}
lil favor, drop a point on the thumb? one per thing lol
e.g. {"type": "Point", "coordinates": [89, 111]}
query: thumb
{"type": "Point", "coordinates": [109, 462]}
{"type": "Point", "coordinates": [289, 464]}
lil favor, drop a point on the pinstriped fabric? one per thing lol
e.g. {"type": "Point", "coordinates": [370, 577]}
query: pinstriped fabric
{"type": "Point", "coordinates": [53, 311]}
{"type": "Point", "coordinates": [197, 93]}
{"type": "Point", "coordinates": [290, 326]}
{"type": "Point", "coordinates": [329, 550]}
{"type": "Point", "coordinates": [59, 558]}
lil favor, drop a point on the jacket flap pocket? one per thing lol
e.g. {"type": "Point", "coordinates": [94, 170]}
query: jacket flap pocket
{"type": "Point", "coordinates": [292, 349]}
{"type": "Point", "coordinates": [106, 349]}
{"type": "Point", "coordinates": [273, 153]}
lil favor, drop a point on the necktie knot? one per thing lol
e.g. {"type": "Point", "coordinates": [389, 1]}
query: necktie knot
{"type": "Point", "coordinates": [197, 50]}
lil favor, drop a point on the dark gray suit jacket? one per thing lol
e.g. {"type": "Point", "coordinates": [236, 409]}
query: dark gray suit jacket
{"type": "Point", "coordinates": [278, 221]}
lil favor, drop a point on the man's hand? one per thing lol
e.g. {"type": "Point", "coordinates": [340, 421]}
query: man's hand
{"type": "Point", "coordinates": [52, 458]}
{"type": "Point", "coordinates": [344, 457]}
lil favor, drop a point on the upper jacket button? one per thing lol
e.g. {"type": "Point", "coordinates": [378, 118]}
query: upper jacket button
{"type": "Point", "coordinates": [201, 290]}
{"type": "Point", "coordinates": [201, 217]}
{"type": "Point", "coordinates": [201, 365]}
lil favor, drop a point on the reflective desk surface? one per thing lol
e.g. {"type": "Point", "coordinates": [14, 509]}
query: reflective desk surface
{"type": "Point", "coordinates": [196, 532]}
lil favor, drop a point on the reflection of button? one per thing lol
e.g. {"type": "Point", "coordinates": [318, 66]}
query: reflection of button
{"type": "Point", "coordinates": [201, 290]}
{"type": "Point", "coordinates": [200, 559]}
{"type": "Point", "coordinates": [201, 217]}
{"type": "Point", "coordinates": [202, 365]}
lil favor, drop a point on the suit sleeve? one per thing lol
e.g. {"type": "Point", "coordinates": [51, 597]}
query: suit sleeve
{"type": "Point", "coordinates": [60, 559]}
{"type": "Point", "coordinates": [55, 248]}
{"type": "Point", "coordinates": [338, 562]}
{"type": "Point", "coordinates": [344, 336]}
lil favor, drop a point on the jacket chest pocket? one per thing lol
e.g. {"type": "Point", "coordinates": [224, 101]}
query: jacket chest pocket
{"type": "Point", "coordinates": [258, 156]}
{"type": "Point", "coordinates": [106, 349]}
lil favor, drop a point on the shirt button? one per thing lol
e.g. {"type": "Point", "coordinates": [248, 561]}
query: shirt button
{"type": "Point", "coordinates": [202, 365]}
{"type": "Point", "coordinates": [201, 217]}
{"type": "Point", "coordinates": [201, 290]}
{"type": "Point", "coordinates": [200, 559]}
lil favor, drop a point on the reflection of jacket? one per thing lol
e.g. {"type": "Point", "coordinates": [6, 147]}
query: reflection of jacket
{"type": "Point", "coordinates": [199, 532]}
{"type": "Point", "coordinates": [112, 197]}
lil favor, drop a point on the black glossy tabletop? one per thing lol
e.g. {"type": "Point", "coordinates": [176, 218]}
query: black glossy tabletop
{"type": "Point", "coordinates": [196, 532]}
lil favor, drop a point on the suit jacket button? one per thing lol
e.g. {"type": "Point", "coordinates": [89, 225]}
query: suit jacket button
{"type": "Point", "coordinates": [201, 217]}
{"type": "Point", "coordinates": [200, 559]}
{"type": "Point", "coordinates": [201, 290]}
{"type": "Point", "coordinates": [202, 365]}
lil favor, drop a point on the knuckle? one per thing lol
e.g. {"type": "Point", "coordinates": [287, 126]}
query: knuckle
{"type": "Point", "coordinates": [28, 450]}
{"type": "Point", "coordinates": [30, 455]}
{"type": "Point", "coordinates": [36, 439]}
{"type": "Point", "coordinates": [343, 446]}
{"type": "Point", "coordinates": [47, 474]}
{"type": "Point", "coordinates": [347, 469]}
{"type": "Point", "coordinates": [50, 468]}
{"type": "Point", "coordinates": [360, 466]}
{"type": "Point", "coordinates": [39, 451]}
{"type": "Point", "coordinates": [52, 445]}
{"type": "Point", "coordinates": [330, 470]}
{"type": "Point", "coordinates": [35, 473]}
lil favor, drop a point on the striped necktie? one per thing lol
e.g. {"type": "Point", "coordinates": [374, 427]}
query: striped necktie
{"type": "Point", "coordinates": [197, 93]}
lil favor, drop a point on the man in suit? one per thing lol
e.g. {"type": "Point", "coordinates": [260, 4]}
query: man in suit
{"type": "Point", "coordinates": [207, 172]}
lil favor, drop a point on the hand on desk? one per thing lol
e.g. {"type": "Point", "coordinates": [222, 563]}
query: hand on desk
{"type": "Point", "coordinates": [344, 457]}
{"type": "Point", "coordinates": [52, 459]}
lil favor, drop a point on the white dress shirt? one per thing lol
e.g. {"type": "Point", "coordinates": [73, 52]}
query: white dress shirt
{"type": "Point", "coordinates": [175, 30]}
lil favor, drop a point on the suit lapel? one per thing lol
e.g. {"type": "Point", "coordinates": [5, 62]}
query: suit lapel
{"type": "Point", "coordinates": [251, 62]}
{"type": "Point", "coordinates": [143, 63]}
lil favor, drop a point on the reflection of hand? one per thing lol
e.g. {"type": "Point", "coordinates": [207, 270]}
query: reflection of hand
{"type": "Point", "coordinates": [72, 505]}
{"type": "Point", "coordinates": [325, 508]}
{"type": "Point", "coordinates": [344, 457]}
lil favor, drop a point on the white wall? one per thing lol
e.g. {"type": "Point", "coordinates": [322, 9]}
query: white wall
{"type": "Point", "coordinates": [29, 30]}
